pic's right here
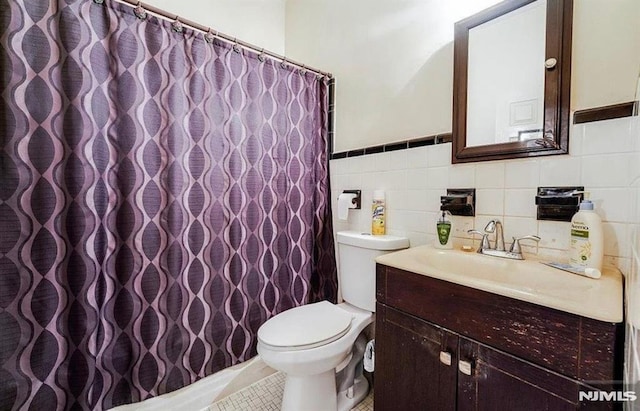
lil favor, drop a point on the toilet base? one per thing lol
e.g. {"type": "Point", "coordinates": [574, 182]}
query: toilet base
{"type": "Point", "coordinates": [351, 397]}
{"type": "Point", "coordinates": [310, 392]}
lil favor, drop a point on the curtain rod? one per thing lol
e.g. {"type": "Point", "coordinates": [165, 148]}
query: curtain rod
{"type": "Point", "coordinates": [204, 29]}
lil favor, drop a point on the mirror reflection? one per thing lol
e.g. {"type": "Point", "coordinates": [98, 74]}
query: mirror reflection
{"type": "Point", "coordinates": [506, 77]}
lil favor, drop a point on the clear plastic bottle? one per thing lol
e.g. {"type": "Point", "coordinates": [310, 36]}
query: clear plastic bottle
{"type": "Point", "coordinates": [587, 240]}
{"type": "Point", "coordinates": [378, 211]}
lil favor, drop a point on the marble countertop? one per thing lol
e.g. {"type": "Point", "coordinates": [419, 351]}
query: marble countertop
{"type": "Point", "coordinates": [526, 280]}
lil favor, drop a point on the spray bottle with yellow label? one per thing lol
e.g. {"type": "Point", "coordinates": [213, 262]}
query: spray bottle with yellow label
{"type": "Point", "coordinates": [378, 211]}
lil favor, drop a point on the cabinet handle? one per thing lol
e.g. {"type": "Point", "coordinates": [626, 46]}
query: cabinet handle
{"type": "Point", "coordinates": [465, 367]}
{"type": "Point", "coordinates": [445, 357]}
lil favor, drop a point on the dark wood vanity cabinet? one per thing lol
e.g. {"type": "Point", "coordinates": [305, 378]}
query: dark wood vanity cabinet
{"type": "Point", "coordinates": [442, 346]}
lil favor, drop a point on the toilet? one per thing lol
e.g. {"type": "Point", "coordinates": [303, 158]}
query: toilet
{"type": "Point", "coordinates": [311, 343]}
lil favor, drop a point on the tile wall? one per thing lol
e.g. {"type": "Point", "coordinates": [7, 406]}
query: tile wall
{"type": "Point", "coordinates": [603, 157]}
{"type": "Point", "coordinates": [632, 289]}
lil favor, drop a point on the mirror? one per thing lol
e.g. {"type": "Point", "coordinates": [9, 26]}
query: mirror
{"type": "Point", "coordinates": [512, 65]}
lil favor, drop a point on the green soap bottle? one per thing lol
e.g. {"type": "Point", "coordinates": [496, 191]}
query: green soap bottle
{"type": "Point", "coordinates": [443, 231]}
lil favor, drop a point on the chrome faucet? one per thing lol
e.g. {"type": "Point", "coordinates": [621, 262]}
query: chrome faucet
{"type": "Point", "coordinates": [495, 227]}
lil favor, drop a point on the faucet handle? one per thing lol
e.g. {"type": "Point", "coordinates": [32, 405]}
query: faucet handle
{"type": "Point", "coordinates": [484, 245]}
{"type": "Point", "coordinates": [515, 247]}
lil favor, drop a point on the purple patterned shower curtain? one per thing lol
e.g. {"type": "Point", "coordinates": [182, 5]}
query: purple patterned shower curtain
{"type": "Point", "coordinates": [160, 198]}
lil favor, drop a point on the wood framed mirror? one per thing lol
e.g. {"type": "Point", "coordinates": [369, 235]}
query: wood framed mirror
{"type": "Point", "coordinates": [512, 81]}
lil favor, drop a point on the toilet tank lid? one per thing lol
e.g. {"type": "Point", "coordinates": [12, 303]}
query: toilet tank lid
{"type": "Point", "coordinates": [372, 242]}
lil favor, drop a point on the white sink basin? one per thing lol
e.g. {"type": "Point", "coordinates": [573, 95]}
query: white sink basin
{"type": "Point", "coordinates": [527, 280]}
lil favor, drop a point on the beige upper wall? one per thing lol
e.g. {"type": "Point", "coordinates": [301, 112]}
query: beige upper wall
{"type": "Point", "coordinates": [393, 60]}
{"type": "Point", "coordinates": [259, 22]}
{"type": "Point", "coordinates": [606, 52]}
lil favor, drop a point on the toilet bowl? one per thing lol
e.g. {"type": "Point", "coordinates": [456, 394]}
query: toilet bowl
{"type": "Point", "coordinates": [310, 382]}
{"type": "Point", "coordinates": [308, 342]}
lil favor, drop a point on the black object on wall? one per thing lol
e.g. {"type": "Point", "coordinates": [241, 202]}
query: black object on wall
{"type": "Point", "coordinates": [459, 201]}
{"type": "Point", "coordinates": [558, 203]}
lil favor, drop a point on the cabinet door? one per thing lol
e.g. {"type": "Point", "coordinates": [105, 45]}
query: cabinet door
{"type": "Point", "coordinates": [490, 380]}
{"type": "Point", "coordinates": [415, 363]}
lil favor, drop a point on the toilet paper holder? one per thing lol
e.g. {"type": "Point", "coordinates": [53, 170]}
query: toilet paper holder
{"type": "Point", "coordinates": [357, 201]}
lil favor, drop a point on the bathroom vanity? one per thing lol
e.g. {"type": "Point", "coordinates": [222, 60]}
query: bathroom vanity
{"type": "Point", "coordinates": [443, 345]}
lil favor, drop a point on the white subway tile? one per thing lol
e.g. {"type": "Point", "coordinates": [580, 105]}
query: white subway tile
{"type": "Point", "coordinates": [439, 155]}
{"type": "Point", "coordinates": [613, 204]}
{"type": "Point", "coordinates": [490, 201]}
{"type": "Point", "coordinates": [360, 220]}
{"type": "Point", "coordinates": [520, 202]}
{"type": "Point", "coordinates": [416, 239]}
{"type": "Point", "coordinates": [437, 177]}
{"type": "Point", "coordinates": [367, 200]}
{"type": "Point", "coordinates": [616, 239]}
{"type": "Point", "coordinates": [520, 227]}
{"type": "Point", "coordinates": [367, 164]}
{"type": "Point", "coordinates": [554, 234]}
{"type": "Point", "coordinates": [560, 171]}
{"type": "Point", "coordinates": [460, 225]}
{"type": "Point", "coordinates": [553, 254]}
{"type": "Point", "coordinates": [355, 164]}
{"type": "Point", "coordinates": [417, 157]}
{"type": "Point", "coordinates": [354, 181]}
{"type": "Point", "coordinates": [338, 166]}
{"type": "Point", "coordinates": [370, 180]}
{"type": "Point", "coordinates": [576, 138]}
{"type": "Point", "coordinates": [522, 174]}
{"type": "Point", "coordinates": [408, 220]}
{"type": "Point", "coordinates": [416, 178]}
{"type": "Point", "coordinates": [462, 176]}
{"type": "Point", "coordinates": [339, 225]}
{"type": "Point", "coordinates": [609, 170]}
{"type": "Point", "coordinates": [430, 222]}
{"type": "Point", "coordinates": [339, 182]}
{"type": "Point", "coordinates": [490, 175]}
{"type": "Point", "coordinates": [397, 160]}
{"type": "Point", "coordinates": [396, 199]}
{"type": "Point", "coordinates": [608, 136]}
{"type": "Point", "coordinates": [433, 199]}
{"type": "Point", "coordinates": [382, 162]}
{"type": "Point", "coordinates": [392, 180]}
{"type": "Point", "coordinates": [416, 200]}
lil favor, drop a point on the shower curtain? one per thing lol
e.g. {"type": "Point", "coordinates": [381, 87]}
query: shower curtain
{"type": "Point", "coordinates": [161, 196]}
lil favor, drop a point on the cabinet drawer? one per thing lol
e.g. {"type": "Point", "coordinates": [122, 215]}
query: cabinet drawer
{"type": "Point", "coordinates": [574, 346]}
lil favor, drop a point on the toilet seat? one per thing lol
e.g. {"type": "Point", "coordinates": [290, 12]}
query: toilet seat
{"type": "Point", "coordinates": [305, 327]}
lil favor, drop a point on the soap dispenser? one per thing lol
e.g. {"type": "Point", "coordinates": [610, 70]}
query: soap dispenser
{"type": "Point", "coordinates": [587, 240]}
{"type": "Point", "coordinates": [443, 231]}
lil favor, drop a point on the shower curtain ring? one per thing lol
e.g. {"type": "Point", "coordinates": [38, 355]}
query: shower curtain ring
{"type": "Point", "coordinates": [177, 25]}
{"type": "Point", "coordinates": [261, 56]}
{"type": "Point", "coordinates": [236, 47]}
{"type": "Point", "coordinates": [209, 36]}
{"type": "Point", "coordinates": [283, 64]}
{"type": "Point", "coordinates": [302, 69]}
{"type": "Point", "coordinates": [140, 12]}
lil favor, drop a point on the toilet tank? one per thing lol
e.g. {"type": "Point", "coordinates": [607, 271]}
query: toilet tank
{"type": "Point", "coordinates": [357, 266]}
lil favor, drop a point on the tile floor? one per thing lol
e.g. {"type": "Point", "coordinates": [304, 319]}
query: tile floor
{"type": "Point", "coordinates": [266, 395]}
